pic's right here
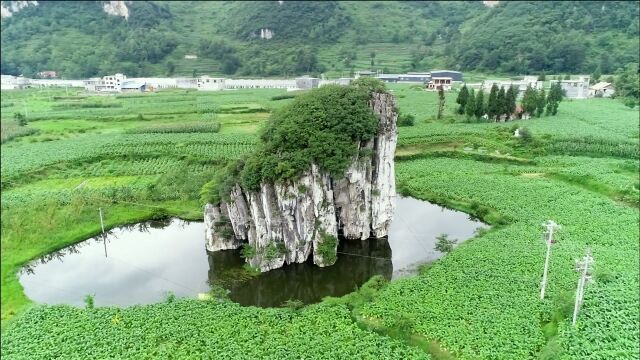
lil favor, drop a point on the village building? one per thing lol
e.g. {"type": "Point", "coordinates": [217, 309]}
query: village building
{"type": "Point", "coordinates": [47, 74]}
{"type": "Point", "coordinates": [260, 84]}
{"type": "Point", "coordinates": [133, 86]}
{"type": "Point", "coordinates": [601, 89]}
{"type": "Point", "coordinates": [444, 77]}
{"type": "Point", "coordinates": [365, 73]}
{"type": "Point", "coordinates": [186, 83]}
{"type": "Point", "coordinates": [55, 83]}
{"type": "Point", "coordinates": [207, 83]}
{"type": "Point", "coordinates": [436, 83]}
{"type": "Point", "coordinates": [109, 83]}
{"type": "Point", "coordinates": [190, 57]}
{"type": "Point", "coordinates": [454, 75]}
{"type": "Point", "coordinates": [340, 81]}
{"type": "Point", "coordinates": [10, 82]}
{"type": "Point", "coordinates": [306, 83]}
{"type": "Point", "coordinates": [575, 89]}
{"type": "Point", "coordinates": [520, 85]}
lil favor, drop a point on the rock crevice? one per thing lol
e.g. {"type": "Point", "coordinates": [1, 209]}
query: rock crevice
{"type": "Point", "coordinates": [285, 223]}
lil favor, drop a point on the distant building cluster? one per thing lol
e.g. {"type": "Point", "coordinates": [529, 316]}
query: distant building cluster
{"type": "Point", "coordinates": [575, 89]}
{"type": "Point", "coordinates": [432, 79]}
{"type": "Point", "coordinates": [578, 88]}
{"type": "Point", "coordinates": [10, 82]}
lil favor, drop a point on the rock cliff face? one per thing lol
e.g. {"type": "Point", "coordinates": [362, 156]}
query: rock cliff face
{"type": "Point", "coordinates": [8, 8]}
{"type": "Point", "coordinates": [116, 8]}
{"type": "Point", "coordinates": [286, 223]}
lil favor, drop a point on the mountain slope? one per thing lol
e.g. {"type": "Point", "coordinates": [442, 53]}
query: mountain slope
{"type": "Point", "coordinates": [282, 38]}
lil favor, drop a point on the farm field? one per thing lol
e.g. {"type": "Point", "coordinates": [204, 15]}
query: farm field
{"type": "Point", "coordinates": [149, 155]}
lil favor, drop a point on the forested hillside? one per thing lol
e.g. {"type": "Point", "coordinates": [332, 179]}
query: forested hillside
{"type": "Point", "coordinates": [79, 39]}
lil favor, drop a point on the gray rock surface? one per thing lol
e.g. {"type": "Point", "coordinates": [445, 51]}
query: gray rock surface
{"type": "Point", "coordinates": [284, 223]}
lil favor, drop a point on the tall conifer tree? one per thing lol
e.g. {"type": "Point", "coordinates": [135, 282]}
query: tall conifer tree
{"type": "Point", "coordinates": [529, 101]}
{"type": "Point", "coordinates": [470, 107]}
{"type": "Point", "coordinates": [462, 98]}
{"type": "Point", "coordinates": [501, 101]}
{"type": "Point", "coordinates": [492, 104]}
{"type": "Point", "coordinates": [540, 102]}
{"type": "Point", "coordinates": [511, 96]}
{"type": "Point", "coordinates": [480, 106]}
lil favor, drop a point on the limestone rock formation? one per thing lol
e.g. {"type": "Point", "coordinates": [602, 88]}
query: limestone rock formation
{"type": "Point", "coordinates": [8, 8]}
{"type": "Point", "coordinates": [116, 8]}
{"type": "Point", "coordinates": [285, 223]}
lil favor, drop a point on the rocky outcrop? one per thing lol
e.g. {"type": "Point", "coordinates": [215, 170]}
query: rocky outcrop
{"type": "Point", "coordinates": [8, 8]}
{"type": "Point", "coordinates": [285, 223]}
{"type": "Point", "coordinates": [116, 8]}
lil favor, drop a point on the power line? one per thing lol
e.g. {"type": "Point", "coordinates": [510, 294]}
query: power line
{"type": "Point", "coordinates": [365, 256]}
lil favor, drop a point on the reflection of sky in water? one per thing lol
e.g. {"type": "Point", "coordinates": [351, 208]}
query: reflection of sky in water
{"type": "Point", "coordinates": [146, 260]}
{"type": "Point", "coordinates": [415, 226]}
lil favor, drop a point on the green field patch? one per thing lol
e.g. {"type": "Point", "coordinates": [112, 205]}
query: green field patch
{"type": "Point", "coordinates": [185, 127]}
{"type": "Point", "coordinates": [241, 109]}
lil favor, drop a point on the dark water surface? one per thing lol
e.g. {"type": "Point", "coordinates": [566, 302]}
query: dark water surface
{"type": "Point", "coordinates": [141, 263]}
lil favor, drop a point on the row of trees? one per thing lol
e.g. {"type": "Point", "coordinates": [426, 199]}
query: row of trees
{"type": "Point", "coordinates": [501, 103]}
{"type": "Point", "coordinates": [535, 101]}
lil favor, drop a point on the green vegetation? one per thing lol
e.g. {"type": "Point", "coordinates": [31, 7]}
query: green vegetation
{"type": "Point", "coordinates": [406, 120]}
{"type": "Point", "coordinates": [444, 244]}
{"type": "Point", "coordinates": [319, 127]}
{"type": "Point", "coordinates": [327, 247]}
{"type": "Point", "coordinates": [79, 40]}
{"type": "Point", "coordinates": [479, 302]}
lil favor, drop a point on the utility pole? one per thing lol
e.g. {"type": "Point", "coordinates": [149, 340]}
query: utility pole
{"type": "Point", "coordinates": [549, 226]}
{"type": "Point", "coordinates": [583, 267]}
{"type": "Point", "coordinates": [104, 238]}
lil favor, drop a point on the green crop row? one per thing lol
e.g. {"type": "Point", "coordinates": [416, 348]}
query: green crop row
{"type": "Point", "coordinates": [481, 301]}
{"type": "Point", "coordinates": [190, 328]}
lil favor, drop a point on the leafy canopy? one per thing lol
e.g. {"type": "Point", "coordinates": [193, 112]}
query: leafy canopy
{"type": "Point", "coordinates": [320, 127]}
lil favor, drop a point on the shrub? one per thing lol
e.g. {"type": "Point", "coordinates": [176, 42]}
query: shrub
{"type": "Point", "coordinates": [20, 118]}
{"type": "Point", "coordinates": [88, 301]}
{"type": "Point", "coordinates": [293, 304]}
{"type": "Point", "coordinates": [218, 293]}
{"type": "Point", "coordinates": [169, 297]}
{"type": "Point", "coordinates": [248, 251]}
{"type": "Point", "coordinates": [283, 97]}
{"type": "Point", "coordinates": [444, 244]}
{"type": "Point", "coordinates": [629, 102]}
{"type": "Point", "coordinates": [271, 251]}
{"type": "Point", "coordinates": [327, 247]}
{"type": "Point", "coordinates": [525, 135]}
{"type": "Point", "coordinates": [406, 120]}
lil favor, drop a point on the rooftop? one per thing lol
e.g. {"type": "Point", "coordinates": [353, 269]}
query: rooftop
{"type": "Point", "coordinates": [601, 85]}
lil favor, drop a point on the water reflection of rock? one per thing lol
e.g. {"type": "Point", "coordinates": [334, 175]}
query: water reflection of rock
{"type": "Point", "coordinates": [357, 262]}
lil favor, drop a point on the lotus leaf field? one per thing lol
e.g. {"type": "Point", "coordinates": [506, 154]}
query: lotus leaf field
{"type": "Point", "coordinates": [149, 155]}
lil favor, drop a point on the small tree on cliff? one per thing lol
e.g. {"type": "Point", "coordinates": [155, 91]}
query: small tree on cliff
{"type": "Point", "coordinates": [463, 96]}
